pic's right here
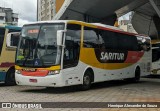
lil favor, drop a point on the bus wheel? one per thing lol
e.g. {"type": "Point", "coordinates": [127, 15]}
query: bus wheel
{"type": "Point", "coordinates": [137, 75]}
{"type": "Point", "coordinates": [86, 81]}
{"type": "Point", "coordinates": [10, 77]}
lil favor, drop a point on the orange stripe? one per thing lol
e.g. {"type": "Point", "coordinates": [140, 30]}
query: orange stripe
{"type": "Point", "coordinates": [39, 73]}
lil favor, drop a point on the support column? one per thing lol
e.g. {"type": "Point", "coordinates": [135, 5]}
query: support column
{"type": "Point", "coordinates": [156, 19]}
{"type": "Point", "coordinates": [155, 4]}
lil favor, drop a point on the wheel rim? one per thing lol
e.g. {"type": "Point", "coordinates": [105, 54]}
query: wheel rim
{"type": "Point", "coordinates": [86, 80]}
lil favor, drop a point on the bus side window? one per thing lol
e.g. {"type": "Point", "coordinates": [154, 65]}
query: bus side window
{"type": "Point", "coordinates": [155, 55]}
{"type": "Point", "coordinates": [92, 38]}
{"type": "Point", "coordinates": [148, 45]}
{"type": "Point", "coordinates": [143, 44]}
{"type": "Point", "coordinates": [2, 32]}
{"type": "Point", "coordinates": [145, 47]}
{"type": "Point", "coordinates": [14, 40]}
{"type": "Point", "coordinates": [127, 42]}
{"type": "Point", "coordinates": [110, 39]}
{"type": "Point", "coordinates": [72, 46]}
{"type": "Point", "coordinates": [13, 30]}
{"type": "Point", "coordinates": [156, 52]}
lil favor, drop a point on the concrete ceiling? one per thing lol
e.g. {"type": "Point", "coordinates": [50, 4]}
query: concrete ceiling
{"type": "Point", "coordinates": [107, 11]}
{"type": "Point", "coordinates": [145, 20]}
{"type": "Point", "coordinates": [90, 10]}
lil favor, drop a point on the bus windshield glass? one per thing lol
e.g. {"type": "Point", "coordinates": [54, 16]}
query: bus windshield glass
{"type": "Point", "coordinates": [38, 47]}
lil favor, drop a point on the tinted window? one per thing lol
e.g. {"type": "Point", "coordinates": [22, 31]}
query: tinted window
{"type": "Point", "coordinates": [92, 38]}
{"type": "Point", "coordinates": [95, 38]}
{"type": "Point", "coordinates": [72, 45]}
{"type": "Point", "coordinates": [119, 41]}
{"type": "Point", "coordinates": [110, 39]}
{"type": "Point", "coordinates": [143, 44]}
{"type": "Point", "coordinates": [13, 30]}
{"type": "Point", "coordinates": [127, 42]}
{"type": "Point", "coordinates": [2, 33]}
{"type": "Point", "coordinates": [14, 39]}
{"type": "Point", "coordinates": [155, 55]}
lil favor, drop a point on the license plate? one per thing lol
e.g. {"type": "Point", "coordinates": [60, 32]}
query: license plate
{"type": "Point", "coordinates": [33, 80]}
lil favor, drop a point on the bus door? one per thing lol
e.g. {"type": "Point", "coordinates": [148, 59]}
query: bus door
{"type": "Point", "coordinates": [72, 52]}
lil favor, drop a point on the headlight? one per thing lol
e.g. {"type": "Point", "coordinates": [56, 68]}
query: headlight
{"type": "Point", "coordinates": [18, 71]}
{"type": "Point", "coordinates": [54, 72]}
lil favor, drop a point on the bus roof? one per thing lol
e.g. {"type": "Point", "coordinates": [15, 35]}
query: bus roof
{"type": "Point", "coordinates": [10, 27]}
{"type": "Point", "coordinates": [95, 25]}
{"type": "Point", "coordinates": [13, 27]}
{"type": "Point", "coordinates": [50, 21]}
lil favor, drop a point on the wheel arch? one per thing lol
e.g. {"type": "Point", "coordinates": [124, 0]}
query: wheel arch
{"type": "Point", "coordinates": [90, 69]}
{"type": "Point", "coordinates": [137, 66]}
{"type": "Point", "coordinates": [10, 68]}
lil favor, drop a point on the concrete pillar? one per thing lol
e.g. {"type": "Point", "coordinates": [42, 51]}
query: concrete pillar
{"type": "Point", "coordinates": [155, 4]}
{"type": "Point", "coordinates": [156, 19]}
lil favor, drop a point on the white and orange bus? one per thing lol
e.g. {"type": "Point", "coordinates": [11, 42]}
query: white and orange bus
{"type": "Point", "coordinates": [9, 37]}
{"type": "Point", "coordinates": [65, 53]}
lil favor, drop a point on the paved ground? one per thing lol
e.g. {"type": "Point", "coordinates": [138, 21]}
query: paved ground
{"type": "Point", "coordinates": [148, 90]}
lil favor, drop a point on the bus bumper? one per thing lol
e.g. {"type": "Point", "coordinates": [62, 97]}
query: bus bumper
{"type": "Point", "coordinates": [47, 81]}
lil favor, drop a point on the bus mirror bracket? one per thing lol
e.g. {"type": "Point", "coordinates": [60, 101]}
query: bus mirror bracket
{"type": "Point", "coordinates": [60, 37]}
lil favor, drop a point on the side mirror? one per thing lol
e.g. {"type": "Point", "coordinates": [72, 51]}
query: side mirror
{"type": "Point", "coordinates": [60, 36]}
{"type": "Point", "coordinates": [12, 39]}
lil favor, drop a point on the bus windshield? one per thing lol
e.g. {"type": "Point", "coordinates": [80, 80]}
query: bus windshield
{"type": "Point", "coordinates": [38, 47]}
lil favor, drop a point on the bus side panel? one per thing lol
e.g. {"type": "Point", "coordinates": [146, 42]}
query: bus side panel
{"type": "Point", "coordinates": [7, 57]}
{"type": "Point", "coordinates": [117, 70]}
{"type": "Point", "coordinates": [156, 68]}
{"type": "Point", "coordinates": [146, 63]}
{"type": "Point", "coordinates": [74, 75]}
{"type": "Point", "coordinates": [117, 74]}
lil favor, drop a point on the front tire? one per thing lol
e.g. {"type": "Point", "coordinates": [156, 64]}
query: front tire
{"type": "Point", "coordinates": [137, 75]}
{"type": "Point", "coordinates": [10, 77]}
{"type": "Point", "coordinates": [86, 81]}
